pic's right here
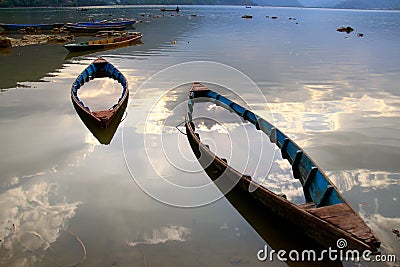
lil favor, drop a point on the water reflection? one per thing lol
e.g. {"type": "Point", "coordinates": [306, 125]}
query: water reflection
{"type": "Point", "coordinates": [366, 179]}
{"type": "Point", "coordinates": [384, 227]}
{"type": "Point", "coordinates": [161, 235]}
{"type": "Point", "coordinates": [337, 98]}
{"type": "Point", "coordinates": [32, 220]}
{"type": "Point", "coordinates": [71, 55]}
{"type": "Point", "coordinates": [103, 134]}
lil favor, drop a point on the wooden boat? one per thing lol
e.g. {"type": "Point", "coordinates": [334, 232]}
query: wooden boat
{"type": "Point", "coordinates": [93, 27]}
{"type": "Point", "coordinates": [100, 68]}
{"type": "Point", "coordinates": [325, 217]}
{"type": "Point", "coordinates": [104, 23]}
{"type": "Point", "coordinates": [114, 42]}
{"type": "Point", "coordinates": [42, 27]}
{"type": "Point", "coordinates": [163, 9]}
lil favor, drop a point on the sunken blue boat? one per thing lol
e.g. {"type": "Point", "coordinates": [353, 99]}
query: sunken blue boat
{"type": "Point", "coordinates": [100, 68]}
{"type": "Point", "coordinates": [42, 27]}
{"type": "Point", "coordinates": [325, 216]}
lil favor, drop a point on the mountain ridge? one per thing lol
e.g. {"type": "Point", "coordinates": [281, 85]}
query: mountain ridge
{"type": "Point", "coordinates": [338, 4]}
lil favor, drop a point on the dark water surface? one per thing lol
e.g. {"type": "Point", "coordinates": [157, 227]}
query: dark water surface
{"type": "Point", "coordinates": [61, 190]}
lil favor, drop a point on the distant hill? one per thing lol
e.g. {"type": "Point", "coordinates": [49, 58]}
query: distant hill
{"type": "Point", "coordinates": [187, 2]}
{"type": "Point", "coordinates": [287, 3]}
{"type": "Point", "coordinates": [35, 3]}
{"type": "Point", "coordinates": [369, 4]}
{"type": "Point", "coordinates": [320, 3]}
{"type": "Point", "coordinates": [349, 4]}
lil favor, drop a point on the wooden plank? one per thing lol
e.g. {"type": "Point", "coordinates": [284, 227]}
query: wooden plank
{"type": "Point", "coordinates": [307, 206]}
{"type": "Point", "coordinates": [342, 216]}
{"type": "Point", "coordinates": [326, 215]}
{"type": "Point", "coordinates": [346, 222]}
{"type": "Point", "coordinates": [198, 87]}
{"type": "Point", "coordinates": [332, 209]}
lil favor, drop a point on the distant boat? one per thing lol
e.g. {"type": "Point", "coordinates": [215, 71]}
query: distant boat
{"type": "Point", "coordinates": [42, 27]}
{"type": "Point", "coordinates": [82, 9]}
{"type": "Point", "coordinates": [100, 68]}
{"type": "Point", "coordinates": [248, 6]}
{"type": "Point", "coordinates": [109, 43]}
{"type": "Point", "coordinates": [326, 217]}
{"type": "Point", "coordinates": [163, 9]}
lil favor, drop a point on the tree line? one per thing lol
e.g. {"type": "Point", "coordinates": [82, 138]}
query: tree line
{"type": "Point", "coordinates": [72, 3]}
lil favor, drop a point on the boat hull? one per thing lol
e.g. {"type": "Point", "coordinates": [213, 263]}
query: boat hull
{"type": "Point", "coordinates": [104, 44]}
{"type": "Point", "coordinates": [43, 27]}
{"type": "Point", "coordinates": [107, 23]}
{"type": "Point", "coordinates": [95, 28]}
{"type": "Point", "coordinates": [103, 134]}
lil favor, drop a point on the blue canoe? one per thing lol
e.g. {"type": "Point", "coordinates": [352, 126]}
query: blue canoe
{"type": "Point", "coordinates": [104, 23]}
{"type": "Point", "coordinates": [100, 68]}
{"type": "Point", "coordinates": [93, 27]}
{"type": "Point", "coordinates": [43, 27]}
{"type": "Point", "coordinates": [326, 216]}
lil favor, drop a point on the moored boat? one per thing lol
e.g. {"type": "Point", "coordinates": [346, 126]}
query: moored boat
{"type": "Point", "coordinates": [42, 27]}
{"type": "Point", "coordinates": [326, 217]}
{"type": "Point", "coordinates": [109, 43]}
{"type": "Point", "coordinates": [100, 68]}
{"type": "Point", "coordinates": [104, 23]}
{"type": "Point", "coordinates": [163, 9]}
{"type": "Point", "coordinates": [94, 28]}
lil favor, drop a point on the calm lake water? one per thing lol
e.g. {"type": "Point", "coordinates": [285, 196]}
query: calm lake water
{"type": "Point", "coordinates": [67, 199]}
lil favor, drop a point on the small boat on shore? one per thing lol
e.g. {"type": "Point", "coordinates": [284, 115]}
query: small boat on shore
{"type": "Point", "coordinates": [326, 216]}
{"type": "Point", "coordinates": [100, 68]}
{"type": "Point", "coordinates": [123, 40]}
{"type": "Point", "coordinates": [42, 27]}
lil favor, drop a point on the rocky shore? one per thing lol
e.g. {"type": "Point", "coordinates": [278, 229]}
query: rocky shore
{"type": "Point", "coordinates": [8, 42]}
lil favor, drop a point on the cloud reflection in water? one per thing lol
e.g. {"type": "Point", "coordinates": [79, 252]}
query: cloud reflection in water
{"type": "Point", "coordinates": [32, 210]}
{"type": "Point", "coordinates": [161, 235]}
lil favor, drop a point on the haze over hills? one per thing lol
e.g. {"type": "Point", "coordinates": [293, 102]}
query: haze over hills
{"type": "Point", "coordinates": [353, 4]}
{"type": "Point", "coordinates": [33, 3]}
{"type": "Point", "coordinates": [284, 3]}
{"type": "Point", "coordinates": [369, 4]}
{"type": "Point", "coordinates": [320, 3]}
